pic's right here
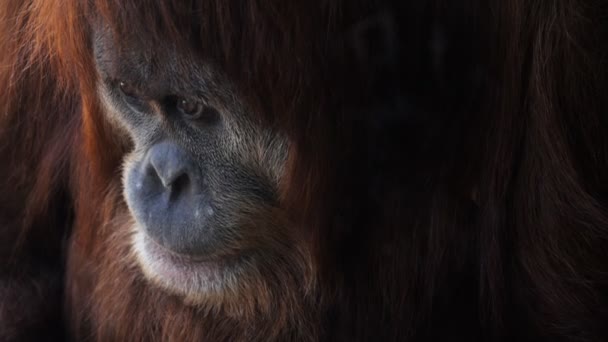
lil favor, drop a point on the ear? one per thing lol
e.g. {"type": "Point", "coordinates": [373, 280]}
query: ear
{"type": "Point", "coordinates": [374, 44]}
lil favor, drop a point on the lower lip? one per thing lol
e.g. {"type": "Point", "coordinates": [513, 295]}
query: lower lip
{"type": "Point", "coordinates": [172, 267]}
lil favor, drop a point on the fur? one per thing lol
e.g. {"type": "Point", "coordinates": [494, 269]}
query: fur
{"type": "Point", "coordinates": [445, 170]}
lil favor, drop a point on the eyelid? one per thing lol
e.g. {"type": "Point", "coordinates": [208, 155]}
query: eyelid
{"type": "Point", "coordinates": [128, 89]}
{"type": "Point", "coordinates": [132, 99]}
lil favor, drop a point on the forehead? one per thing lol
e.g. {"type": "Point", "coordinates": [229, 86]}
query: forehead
{"type": "Point", "coordinates": [145, 61]}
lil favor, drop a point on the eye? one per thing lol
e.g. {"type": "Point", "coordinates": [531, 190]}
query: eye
{"type": "Point", "coordinates": [127, 89]}
{"type": "Point", "coordinates": [191, 109]}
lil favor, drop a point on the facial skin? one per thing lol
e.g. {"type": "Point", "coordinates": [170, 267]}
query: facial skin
{"type": "Point", "coordinates": [202, 179]}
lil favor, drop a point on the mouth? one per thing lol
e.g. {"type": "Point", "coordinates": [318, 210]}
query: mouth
{"type": "Point", "coordinates": [180, 274]}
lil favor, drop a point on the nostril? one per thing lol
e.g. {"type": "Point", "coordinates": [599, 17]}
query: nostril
{"type": "Point", "coordinates": [163, 173]}
{"type": "Point", "coordinates": [169, 165]}
{"type": "Point", "coordinates": [152, 175]}
{"type": "Point", "coordinates": [179, 185]}
{"type": "Point", "coordinates": [169, 177]}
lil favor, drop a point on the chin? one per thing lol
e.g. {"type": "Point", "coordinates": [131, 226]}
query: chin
{"type": "Point", "coordinates": [195, 280]}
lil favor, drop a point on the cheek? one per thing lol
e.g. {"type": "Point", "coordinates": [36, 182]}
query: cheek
{"type": "Point", "coordinates": [138, 128]}
{"type": "Point", "coordinates": [112, 113]}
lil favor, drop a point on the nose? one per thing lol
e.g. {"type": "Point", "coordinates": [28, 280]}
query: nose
{"type": "Point", "coordinates": [171, 165]}
{"type": "Point", "coordinates": [168, 196]}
